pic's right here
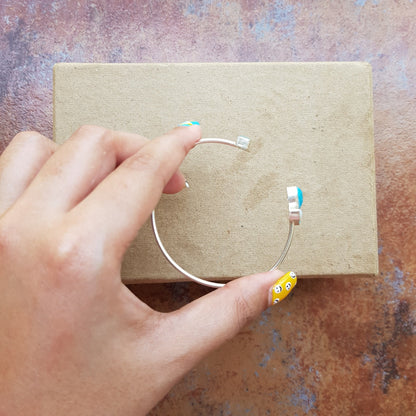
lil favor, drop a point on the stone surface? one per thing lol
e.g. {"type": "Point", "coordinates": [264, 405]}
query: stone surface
{"type": "Point", "coordinates": [336, 346]}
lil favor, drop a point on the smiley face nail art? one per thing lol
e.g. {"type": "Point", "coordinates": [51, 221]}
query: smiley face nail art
{"type": "Point", "coordinates": [283, 287]}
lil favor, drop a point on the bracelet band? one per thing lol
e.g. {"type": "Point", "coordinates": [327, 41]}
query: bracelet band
{"type": "Point", "coordinates": [295, 199]}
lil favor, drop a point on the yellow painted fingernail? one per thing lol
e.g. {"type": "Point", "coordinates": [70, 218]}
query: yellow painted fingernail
{"type": "Point", "coordinates": [282, 288]}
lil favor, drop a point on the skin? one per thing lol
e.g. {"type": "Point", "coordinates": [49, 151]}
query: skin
{"type": "Point", "coordinates": [74, 339]}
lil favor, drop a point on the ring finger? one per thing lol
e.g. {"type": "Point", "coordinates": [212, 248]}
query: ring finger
{"type": "Point", "coordinates": [20, 163]}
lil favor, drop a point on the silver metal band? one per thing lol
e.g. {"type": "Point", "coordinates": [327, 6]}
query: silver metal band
{"type": "Point", "coordinates": [295, 213]}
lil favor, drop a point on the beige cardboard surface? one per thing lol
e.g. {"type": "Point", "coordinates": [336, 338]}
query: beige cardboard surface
{"type": "Point", "coordinates": [310, 125]}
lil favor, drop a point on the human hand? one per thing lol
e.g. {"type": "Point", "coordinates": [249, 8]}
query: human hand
{"type": "Point", "coordinates": [73, 339]}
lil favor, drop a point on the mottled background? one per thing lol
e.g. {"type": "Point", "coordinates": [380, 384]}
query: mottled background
{"type": "Point", "coordinates": [337, 346]}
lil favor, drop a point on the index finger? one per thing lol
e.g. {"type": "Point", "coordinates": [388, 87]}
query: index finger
{"type": "Point", "coordinates": [123, 201]}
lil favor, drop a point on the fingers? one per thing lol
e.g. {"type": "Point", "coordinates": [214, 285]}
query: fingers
{"type": "Point", "coordinates": [125, 199]}
{"type": "Point", "coordinates": [175, 184]}
{"type": "Point", "coordinates": [81, 163]}
{"type": "Point", "coordinates": [20, 163]}
{"type": "Point", "coordinates": [78, 166]}
{"type": "Point", "coordinates": [206, 323]}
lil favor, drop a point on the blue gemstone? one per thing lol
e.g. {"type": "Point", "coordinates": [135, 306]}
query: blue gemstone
{"type": "Point", "coordinates": [300, 197]}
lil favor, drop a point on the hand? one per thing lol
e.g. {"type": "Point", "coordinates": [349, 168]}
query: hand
{"type": "Point", "coordinates": [73, 339]}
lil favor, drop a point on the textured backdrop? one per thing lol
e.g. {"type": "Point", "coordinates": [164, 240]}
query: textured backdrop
{"type": "Point", "coordinates": [344, 347]}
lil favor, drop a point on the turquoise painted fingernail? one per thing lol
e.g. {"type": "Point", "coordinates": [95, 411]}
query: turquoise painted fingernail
{"type": "Point", "coordinates": [189, 123]}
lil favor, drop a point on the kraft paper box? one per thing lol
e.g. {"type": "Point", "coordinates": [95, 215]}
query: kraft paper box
{"type": "Point", "coordinates": [310, 125]}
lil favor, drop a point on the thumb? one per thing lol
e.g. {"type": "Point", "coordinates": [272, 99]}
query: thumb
{"type": "Point", "coordinates": [206, 323]}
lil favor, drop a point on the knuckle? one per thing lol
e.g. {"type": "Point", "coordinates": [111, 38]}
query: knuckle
{"type": "Point", "coordinates": [24, 136]}
{"type": "Point", "coordinates": [243, 309]}
{"type": "Point", "coordinates": [90, 130]}
{"type": "Point", "coordinates": [65, 255]}
{"type": "Point", "coordinates": [95, 136]}
{"type": "Point", "coordinates": [33, 138]}
{"type": "Point", "coordinates": [144, 162]}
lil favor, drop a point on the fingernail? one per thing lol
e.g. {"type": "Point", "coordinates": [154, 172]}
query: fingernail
{"type": "Point", "coordinates": [282, 288]}
{"type": "Point", "coordinates": [188, 123]}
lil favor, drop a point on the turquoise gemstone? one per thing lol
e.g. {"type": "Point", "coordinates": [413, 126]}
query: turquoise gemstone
{"type": "Point", "coordinates": [300, 197]}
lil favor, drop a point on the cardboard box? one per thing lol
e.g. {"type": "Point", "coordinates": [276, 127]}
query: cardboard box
{"type": "Point", "coordinates": [310, 125]}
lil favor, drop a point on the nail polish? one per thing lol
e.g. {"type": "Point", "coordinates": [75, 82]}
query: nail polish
{"type": "Point", "coordinates": [282, 288]}
{"type": "Point", "coordinates": [188, 123]}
